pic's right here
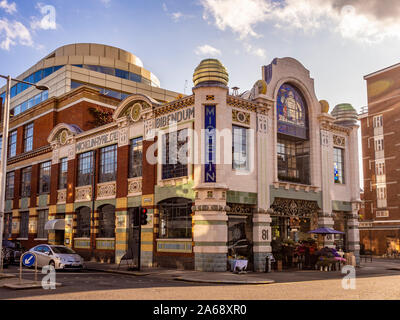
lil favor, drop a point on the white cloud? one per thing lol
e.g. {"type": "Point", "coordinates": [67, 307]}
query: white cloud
{"type": "Point", "coordinates": [364, 21]}
{"type": "Point", "coordinates": [12, 33]}
{"type": "Point", "coordinates": [8, 7]}
{"type": "Point", "coordinates": [207, 50]}
{"type": "Point", "coordinates": [48, 19]}
{"type": "Point", "coordinates": [107, 3]}
{"type": "Point", "coordinates": [176, 16]}
{"type": "Point", "coordinates": [259, 52]}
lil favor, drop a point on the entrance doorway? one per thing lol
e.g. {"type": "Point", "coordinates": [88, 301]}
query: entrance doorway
{"type": "Point", "coordinates": [240, 238]}
{"type": "Point", "coordinates": [59, 237]}
{"type": "Point", "coordinates": [133, 236]}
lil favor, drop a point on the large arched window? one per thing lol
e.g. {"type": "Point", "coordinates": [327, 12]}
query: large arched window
{"type": "Point", "coordinates": [175, 218]}
{"type": "Point", "coordinates": [293, 149]}
{"type": "Point", "coordinates": [107, 221]}
{"type": "Point", "coordinates": [83, 222]}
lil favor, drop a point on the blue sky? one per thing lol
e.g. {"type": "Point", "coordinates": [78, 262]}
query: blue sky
{"type": "Point", "coordinates": [339, 41]}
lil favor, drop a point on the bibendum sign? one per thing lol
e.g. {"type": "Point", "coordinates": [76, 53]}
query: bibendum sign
{"type": "Point", "coordinates": [97, 142]}
{"type": "Point", "coordinates": [176, 117]}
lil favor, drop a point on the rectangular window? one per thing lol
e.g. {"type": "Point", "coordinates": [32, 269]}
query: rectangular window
{"type": "Point", "coordinates": [28, 137]}
{"type": "Point", "coordinates": [378, 121]}
{"type": "Point", "coordinates": [173, 145]}
{"type": "Point", "coordinates": [382, 213]}
{"type": "Point", "coordinates": [44, 177]}
{"type": "Point", "coordinates": [239, 148]}
{"type": "Point", "coordinates": [12, 144]}
{"type": "Point", "coordinates": [26, 182]}
{"type": "Point", "coordinates": [380, 168]}
{"type": "Point", "coordinates": [379, 144]}
{"type": "Point", "coordinates": [108, 163]}
{"type": "Point", "coordinates": [7, 226]}
{"type": "Point", "coordinates": [135, 158]}
{"type": "Point", "coordinates": [85, 168]}
{"type": "Point", "coordinates": [293, 161]}
{"type": "Point", "coordinates": [338, 165]}
{"type": "Point", "coordinates": [42, 219]}
{"type": "Point", "coordinates": [10, 185]}
{"type": "Point", "coordinates": [63, 171]}
{"type": "Point", "coordinates": [24, 225]}
{"type": "Point", "coordinates": [381, 193]}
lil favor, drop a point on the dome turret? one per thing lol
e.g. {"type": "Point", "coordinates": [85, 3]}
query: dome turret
{"type": "Point", "coordinates": [345, 114]}
{"type": "Point", "coordinates": [210, 72]}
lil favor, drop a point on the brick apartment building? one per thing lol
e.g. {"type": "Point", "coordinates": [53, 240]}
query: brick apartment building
{"type": "Point", "coordinates": [380, 226]}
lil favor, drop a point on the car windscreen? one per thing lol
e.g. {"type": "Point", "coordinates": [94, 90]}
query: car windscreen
{"type": "Point", "coordinates": [63, 250]}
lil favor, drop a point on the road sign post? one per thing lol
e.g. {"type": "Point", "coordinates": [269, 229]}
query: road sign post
{"type": "Point", "coordinates": [28, 259]}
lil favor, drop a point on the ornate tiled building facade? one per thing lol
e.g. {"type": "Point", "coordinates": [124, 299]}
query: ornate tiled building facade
{"type": "Point", "coordinates": [214, 171]}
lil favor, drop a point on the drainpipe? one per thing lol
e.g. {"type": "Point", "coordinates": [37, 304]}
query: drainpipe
{"type": "Point", "coordinates": [92, 240]}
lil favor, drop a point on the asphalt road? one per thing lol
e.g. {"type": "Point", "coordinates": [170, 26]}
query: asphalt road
{"type": "Point", "coordinates": [374, 281]}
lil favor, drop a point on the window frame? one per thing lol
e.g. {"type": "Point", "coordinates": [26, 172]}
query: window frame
{"type": "Point", "coordinates": [108, 163]}
{"type": "Point", "coordinates": [12, 144]}
{"type": "Point", "coordinates": [10, 194]}
{"type": "Point", "coordinates": [341, 168]}
{"type": "Point", "coordinates": [63, 174]}
{"type": "Point", "coordinates": [28, 137]}
{"type": "Point", "coordinates": [178, 169]}
{"type": "Point", "coordinates": [238, 166]}
{"type": "Point", "coordinates": [26, 185]}
{"type": "Point", "coordinates": [24, 225]}
{"type": "Point", "coordinates": [136, 158]}
{"type": "Point", "coordinates": [86, 164]}
{"type": "Point", "coordinates": [43, 217]}
{"type": "Point", "coordinates": [44, 166]}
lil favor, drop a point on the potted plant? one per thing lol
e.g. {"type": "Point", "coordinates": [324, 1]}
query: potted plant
{"type": "Point", "coordinates": [278, 257]}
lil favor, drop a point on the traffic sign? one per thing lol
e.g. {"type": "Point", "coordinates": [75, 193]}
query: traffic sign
{"type": "Point", "coordinates": [28, 259]}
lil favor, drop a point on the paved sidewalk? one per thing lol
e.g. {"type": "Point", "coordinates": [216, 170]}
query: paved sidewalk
{"type": "Point", "coordinates": [378, 267]}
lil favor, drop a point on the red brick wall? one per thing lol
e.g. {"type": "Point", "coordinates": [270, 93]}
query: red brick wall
{"type": "Point", "coordinates": [122, 171]}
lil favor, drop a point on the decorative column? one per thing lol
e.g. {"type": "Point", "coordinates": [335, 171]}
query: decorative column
{"type": "Point", "coordinates": [353, 232]}
{"type": "Point", "coordinates": [261, 238]}
{"type": "Point", "coordinates": [121, 210]}
{"type": "Point", "coordinates": [325, 219]}
{"type": "Point", "coordinates": [210, 231]}
{"type": "Point", "coordinates": [261, 216]}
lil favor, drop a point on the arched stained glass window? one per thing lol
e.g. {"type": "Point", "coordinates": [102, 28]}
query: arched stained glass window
{"type": "Point", "coordinates": [291, 112]}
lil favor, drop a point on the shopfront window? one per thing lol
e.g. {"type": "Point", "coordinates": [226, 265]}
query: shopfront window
{"type": "Point", "coordinates": [240, 148]}
{"type": "Point", "coordinates": [26, 182]}
{"type": "Point", "coordinates": [108, 164]}
{"type": "Point", "coordinates": [44, 177]}
{"type": "Point", "coordinates": [83, 222]}
{"type": "Point", "coordinates": [174, 151]}
{"type": "Point", "coordinates": [136, 158]}
{"type": "Point", "coordinates": [42, 219]}
{"type": "Point", "coordinates": [176, 218]}
{"type": "Point", "coordinates": [107, 221]}
{"type": "Point", "coordinates": [85, 168]}
{"type": "Point", "coordinates": [63, 172]}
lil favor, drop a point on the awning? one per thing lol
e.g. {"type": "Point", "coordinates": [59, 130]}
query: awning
{"type": "Point", "coordinates": [56, 224]}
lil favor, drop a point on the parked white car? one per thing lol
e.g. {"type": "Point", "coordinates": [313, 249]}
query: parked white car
{"type": "Point", "coordinates": [60, 257]}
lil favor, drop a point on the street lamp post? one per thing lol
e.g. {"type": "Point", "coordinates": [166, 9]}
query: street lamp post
{"type": "Point", "coordinates": [3, 164]}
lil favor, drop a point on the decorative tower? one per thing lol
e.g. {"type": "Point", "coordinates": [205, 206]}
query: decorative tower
{"type": "Point", "coordinates": [210, 234]}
